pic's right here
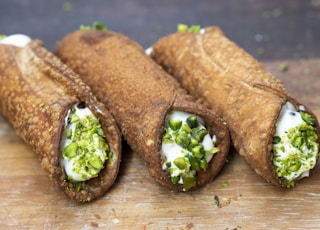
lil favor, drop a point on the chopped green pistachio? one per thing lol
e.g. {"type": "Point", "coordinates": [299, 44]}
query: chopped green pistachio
{"type": "Point", "coordinates": [193, 143]}
{"type": "Point", "coordinates": [175, 125]}
{"type": "Point", "coordinates": [223, 184]}
{"type": "Point", "coordinates": [210, 152]}
{"type": "Point", "coordinates": [75, 118]}
{"type": "Point", "coordinates": [276, 140]}
{"type": "Point", "coordinates": [41, 105]}
{"type": "Point", "coordinates": [308, 118]}
{"type": "Point", "coordinates": [96, 162]}
{"type": "Point", "coordinates": [194, 162]}
{"type": "Point", "coordinates": [284, 67]}
{"type": "Point", "coordinates": [300, 144]}
{"type": "Point", "coordinates": [86, 149]}
{"type": "Point", "coordinates": [195, 28]}
{"type": "Point", "coordinates": [198, 151]}
{"type": "Point", "coordinates": [186, 28]}
{"type": "Point", "coordinates": [175, 179]}
{"type": "Point", "coordinates": [189, 180]}
{"type": "Point", "coordinates": [2, 36]}
{"type": "Point", "coordinates": [199, 133]}
{"type": "Point", "coordinates": [182, 139]}
{"type": "Point", "coordinates": [188, 134]}
{"type": "Point", "coordinates": [95, 26]}
{"type": "Point", "coordinates": [192, 121]}
{"type": "Point", "coordinates": [181, 163]}
{"type": "Point", "coordinates": [297, 142]}
{"type": "Point", "coordinates": [186, 128]}
{"type": "Point", "coordinates": [182, 28]}
{"type": "Point", "coordinates": [71, 150]}
{"type": "Point", "coordinates": [203, 164]}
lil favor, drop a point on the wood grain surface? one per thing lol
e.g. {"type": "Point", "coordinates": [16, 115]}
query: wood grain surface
{"type": "Point", "coordinates": [237, 199]}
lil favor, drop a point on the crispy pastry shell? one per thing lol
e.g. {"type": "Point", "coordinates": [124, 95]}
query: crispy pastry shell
{"type": "Point", "coordinates": [36, 92]}
{"type": "Point", "coordinates": [232, 83]}
{"type": "Point", "coordinates": [139, 94]}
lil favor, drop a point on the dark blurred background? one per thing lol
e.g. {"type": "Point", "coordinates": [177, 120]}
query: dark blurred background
{"type": "Point", "coordinates": [268, 29]}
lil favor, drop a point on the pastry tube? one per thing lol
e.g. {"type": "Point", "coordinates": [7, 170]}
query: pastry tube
{"type": "Point", "coordinates": [273, 132]}
{"type": "Point", "coordinates": [144, 99]}
{"type": "Point", "coordinates": [56, 114]}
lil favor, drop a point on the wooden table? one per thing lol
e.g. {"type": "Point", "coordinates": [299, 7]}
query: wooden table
{"type": "Point", "coordinates": [31, 201]}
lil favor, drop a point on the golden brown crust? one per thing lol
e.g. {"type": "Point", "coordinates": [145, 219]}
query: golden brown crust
{"type": "Point", "coordinates": [139, 94]}
{"type": "Point", "coordinates": [36, 92]}
{"type": "Point", "coordinates": [231, 82]}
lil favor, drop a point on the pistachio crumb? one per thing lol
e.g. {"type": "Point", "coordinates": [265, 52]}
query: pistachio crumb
{"type": "Point", "coordinates": [223, 184]}
{"type": "Point", "coordinates": [41, 105]}
{"type": "Point", "coordinates": [284, 67]}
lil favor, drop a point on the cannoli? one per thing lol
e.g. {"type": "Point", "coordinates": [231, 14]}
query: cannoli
{"type": "Point", "coordinates": [76, 138]}
{"type": "Point", "coordinates": [183, 144]}
{"type": "Point", "coordinates": [277, 135]}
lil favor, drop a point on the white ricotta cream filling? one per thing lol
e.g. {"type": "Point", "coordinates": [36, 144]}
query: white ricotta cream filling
{"type": "Point", "coordinates": [93, 145]}
{"type": "Point", "coordinates": [19, 40]}
{"type": "Point", "coordinates": [304, 158]}
{"type": "Point", "coordinates": [172, 151]}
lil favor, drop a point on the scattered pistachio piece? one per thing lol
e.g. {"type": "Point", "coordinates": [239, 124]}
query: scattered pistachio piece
{"type": "Point", "coordinates": [284, 67]}
{"type": "Point", "coordinates": [95, 26]}
{"type": "Point", "coordinates": [223, 184]}
{"type": "Point", "coordinates": [41, 105]}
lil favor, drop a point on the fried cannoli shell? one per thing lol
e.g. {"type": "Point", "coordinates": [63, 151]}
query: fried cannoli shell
{"type": "Point", "coordinates": [227, 79]}
{"type": "Point", "coordinates": [139, 94]}
{"type": "Point", "coordinates": [36, 92]}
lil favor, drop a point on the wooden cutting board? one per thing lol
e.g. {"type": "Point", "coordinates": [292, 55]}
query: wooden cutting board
{"type": "Point", "coordinates": [237, 199]}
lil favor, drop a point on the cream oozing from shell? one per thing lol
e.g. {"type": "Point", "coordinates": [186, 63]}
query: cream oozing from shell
{"type": "Point", "coordinates": [19, 40]}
